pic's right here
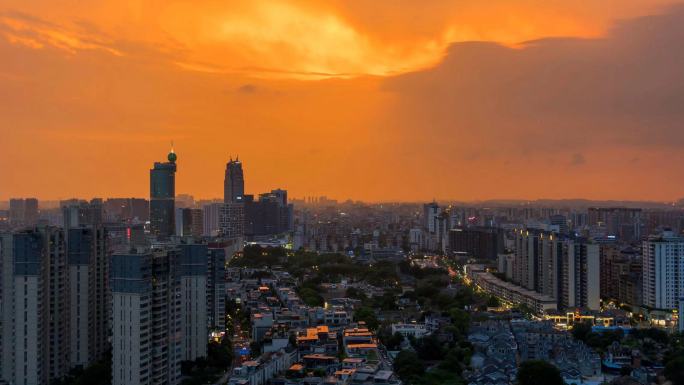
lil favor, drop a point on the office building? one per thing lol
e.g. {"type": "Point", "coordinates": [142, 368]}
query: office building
{"type": "Point", "coordinates": [234, 182]}
{"type": "Point", "coordinates": [146, 318]}
{"type": "Point", "coordinates": [88, 294]}
{"type": "Point", "coordinates": [34, 341]}
{"type": "Point", "coordinates": [193, 300]}
{"type": "Point", "coordinates": [663, 269]}
{"type": "Point", "coordinates": [478, 242]}
{"type": "Point", "coordinates": [162, 197]}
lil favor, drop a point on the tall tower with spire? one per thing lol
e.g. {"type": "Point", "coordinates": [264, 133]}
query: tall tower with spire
{"type": "Point", "coordinates": [163, 196]}
{"type": "Point", "coordinates": [234, 182]}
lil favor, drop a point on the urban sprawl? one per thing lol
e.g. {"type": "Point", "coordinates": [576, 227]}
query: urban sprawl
{"type": "Point", "coordinates": [257, 290]}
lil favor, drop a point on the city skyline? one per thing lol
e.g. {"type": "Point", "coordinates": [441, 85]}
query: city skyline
{"type": "Point", "coordinates": [459, 103]}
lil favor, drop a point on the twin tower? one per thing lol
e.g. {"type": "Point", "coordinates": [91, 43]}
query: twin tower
{"type": "Point", "coordinates": [163, 192]}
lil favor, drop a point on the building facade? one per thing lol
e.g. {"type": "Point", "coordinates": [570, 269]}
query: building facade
{"type": "Point", "coordinates": [146, 318]}
{"type": "Point", "coordinates": [89, 296]}
{"type": "Point", "coordinates": [663, 271]}
{"type": "Point", "coordinates": [193, 300]}
{"type": "Point", "coordinates": [35, 335]}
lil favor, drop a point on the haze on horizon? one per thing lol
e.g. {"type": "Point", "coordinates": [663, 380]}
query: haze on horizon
{"type": "Point", "coordinates": [375, 101]}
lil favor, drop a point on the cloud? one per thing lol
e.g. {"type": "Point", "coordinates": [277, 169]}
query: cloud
{"type": "Point", "coordinates": [247, 89]}
{"type": "Point", "coordinates": [557, 94]}
{"type": "Point", "coordinates": [578, 159]}
{"type": "Point", "coordinates": [548, 101]}
{"type": "Point", "coordinates": [35, 33]}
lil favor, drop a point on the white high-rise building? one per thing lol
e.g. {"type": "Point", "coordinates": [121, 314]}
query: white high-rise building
{"type": "Point", "coordinates": [146, 318]}
{"type": "Point", "coordinates": [663, 271]}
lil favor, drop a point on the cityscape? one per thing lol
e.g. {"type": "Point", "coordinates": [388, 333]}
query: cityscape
{"type": "Point", "coordinates": [449, 192]}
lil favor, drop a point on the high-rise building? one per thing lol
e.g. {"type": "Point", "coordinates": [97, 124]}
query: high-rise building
{"type": "Point", "coordinates": [234, 182]}
{"type": "Point", "coordinates": [30, 211]}
{"type": "Point", "coordinates": [189, 222]}
{"type": "Point", "coordinates": [80, 213]}
{"type": "Point", "coordinates": [270, 215]}
{"type": "Point", "coordinates": [231, 220]}
{"type": "Point", "coordinates": [193, 298]}
{"type": "Point", "coordinates": [16, 211]}
{"type": "Point", "coordinates": [126, 209]}
{"type": "Point", "coordinates": [430, 213]}
{"type": "Point", "coordinates": [561, 221]}
{"type": "Point", "coordinates": [624, 223]}
{"type": "Point", "coordinates": [479, 242]}
{"type": "Point", "coordinates": [88, 294]}
{"type": "Point", "coordinates": [162, 197]}
{"type": "Point", "coordinates": [216, 286]}
{"type": "Point", "coordinates": [23, 212]}
{"type": "Point", "coordinates": [663, 269]}
{"type": "Point", "coordinates": [34, 339]}
{"type": "Point", "coordinates": [211, 219]}
{"type": "Point", "coordinates": [564, 269]}
{"type": "Point", "coordinates": [580, 276]}
{"type": "Point", "coordinates": [146, 318]}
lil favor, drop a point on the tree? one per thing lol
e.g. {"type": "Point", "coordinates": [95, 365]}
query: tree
{"type": "Point", "coordinates": [493, 302]}
{"type": "Point", "coordinates": [581, 331]}
{"type": "Point", "coordinates": [535, 372]}
{"type": "Point", "coordinates": [408, 366]}
{"type": "Point", "coordinates": [429, 348]}
{"type": "Point", "coordinates": [674, 370]}
{"type": "Point", "coordinates": [368, 316]}
{"type": "Point", "coordinates": [355, 293]}
{"type": "Point", "coordinates": [460, 319]}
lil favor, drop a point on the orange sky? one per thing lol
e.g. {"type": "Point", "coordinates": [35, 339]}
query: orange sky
{"type": "Point", "coordinates": [372, 100]}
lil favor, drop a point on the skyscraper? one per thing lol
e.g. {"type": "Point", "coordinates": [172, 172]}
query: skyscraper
{"type": "Point", "coordinates": [162, 197]}
{"type": "Point", "coordinates": [234, 182]}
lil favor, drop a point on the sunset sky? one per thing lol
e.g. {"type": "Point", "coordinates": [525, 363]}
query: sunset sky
{"type": "Point", "coordinates": [364, 99]}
